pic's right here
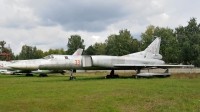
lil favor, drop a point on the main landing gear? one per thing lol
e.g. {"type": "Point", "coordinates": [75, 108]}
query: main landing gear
{"type": "Point", "coordinates": [71, 75]}
{"type": "Point", "coordinates": [112, 75]}
{"type": "Point", "coordinates": [43, 75]}
{"type": "Point", "coordinates": [137, 72]}
{"type": "Point", "coordinates": [29, 75]}
{"type": "Point", "coordinates": [40, 75]}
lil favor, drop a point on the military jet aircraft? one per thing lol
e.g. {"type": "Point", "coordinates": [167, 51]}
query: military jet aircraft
{"type": "Point", "coordinates": [31, 66]}
{"type": "Point", "coordinates": [147, 59]}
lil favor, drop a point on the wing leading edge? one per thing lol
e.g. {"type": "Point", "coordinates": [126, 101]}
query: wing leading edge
{"type": "Point", "coordinates": [152, 66]}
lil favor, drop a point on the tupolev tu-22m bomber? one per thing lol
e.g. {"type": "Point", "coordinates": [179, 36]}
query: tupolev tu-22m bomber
{"type": "Point", "coordinates": [147, 59]}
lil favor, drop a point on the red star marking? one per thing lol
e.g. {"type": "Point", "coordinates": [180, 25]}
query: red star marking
{"type": "Point", "coordinates": [153, 48]}
{"type": "Point", "coordinates": [78, 53]}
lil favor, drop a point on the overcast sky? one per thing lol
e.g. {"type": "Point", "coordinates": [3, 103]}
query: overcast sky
{"type": "Point", "coordinates": [49, 23]}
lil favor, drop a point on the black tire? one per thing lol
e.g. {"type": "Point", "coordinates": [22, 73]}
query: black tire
{"type": "Point", "coordinates": [29, 75]}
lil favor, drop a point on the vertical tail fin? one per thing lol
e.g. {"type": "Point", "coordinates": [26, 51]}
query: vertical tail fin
{"type": "Point", "coordinates": [78, 52]}
{"type": "Point", "coordinates": [152, 51]}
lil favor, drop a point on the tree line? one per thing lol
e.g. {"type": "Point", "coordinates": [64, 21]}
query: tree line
{"type": "Point", "coordinates": [179, 45]}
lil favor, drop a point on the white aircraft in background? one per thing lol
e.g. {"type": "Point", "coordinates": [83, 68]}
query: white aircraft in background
{"type": "Point", "coordinates": [31, 66]}
{"type": "Point", "coordinates": [4, 68]}
{"type": "Point", "coordinates": [147, 59]}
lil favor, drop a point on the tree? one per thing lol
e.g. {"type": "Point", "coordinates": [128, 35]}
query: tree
{"type": "Point", "coordinates": [29, 52]}
{"type": "Point", "coordinates": [188, 38]}
{"type": "Point", "coordinates": [99, 48]}
{"type": "Point", "coordinates": [12, 56]}
{"type": "Point", "coordinates": [25, 52]}
{"type": "Point", "coordinates": [38, 53]}
{"type": "Point", "coordinates": [110, 44]}
{"type": "Point", "coordinates": [89, 51]}
{"type": "Point", "coordinates": [55, 51]}
{"type": "Point", "coordinates": [74, 42]}
{"type": "Point", "coordinates": [121, 44]}
{"type": "Point", "coordinates": [147, 37]}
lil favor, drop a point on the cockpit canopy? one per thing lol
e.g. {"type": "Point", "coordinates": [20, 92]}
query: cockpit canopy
{"type": "Point", "coordinates": [56, 57]}
{"type": "Point", "coordinates": [48, 57]}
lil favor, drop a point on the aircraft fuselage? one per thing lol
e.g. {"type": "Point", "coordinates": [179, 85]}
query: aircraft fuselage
{"type": "Point", "coordinates": [95, 63]}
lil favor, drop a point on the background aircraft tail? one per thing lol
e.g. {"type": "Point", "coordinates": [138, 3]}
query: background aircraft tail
{"type": "Point", "coordinates": [78, 52]}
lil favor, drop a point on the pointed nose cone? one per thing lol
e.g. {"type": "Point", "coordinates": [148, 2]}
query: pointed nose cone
{"type": "Point", "coordinates": [19, 66]}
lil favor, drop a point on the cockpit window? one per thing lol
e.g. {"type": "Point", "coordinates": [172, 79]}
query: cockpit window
{"type": "Point", "coordinates": [48, 57]}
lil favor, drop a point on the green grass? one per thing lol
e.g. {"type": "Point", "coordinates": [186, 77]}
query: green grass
{"type": "Point", "coordinates": [91, 92]}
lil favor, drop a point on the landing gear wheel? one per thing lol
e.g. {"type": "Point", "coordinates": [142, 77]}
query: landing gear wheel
{"type": "Point", "coordinates": [112, 75]}
{"type": "Point", "coordinates": [72, 78]}
{"type": "Point", "coordinates": [135, 76]}
{"type": "Point", "coordinates": [43, 75]}
{"type": "Point", "coordinates": [107, 76]}
{"type": "Point", "coordinates": [71, 75]}
{"type": "Point", "coordinates": [29, 75]}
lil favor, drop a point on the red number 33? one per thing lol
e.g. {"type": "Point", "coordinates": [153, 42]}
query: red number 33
{"type": "Point", "coordinates": [77, 62]}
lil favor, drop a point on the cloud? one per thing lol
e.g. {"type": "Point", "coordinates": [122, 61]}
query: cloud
{"type": "Point", "coordinates": [16, 15]}
{"type": "Point", "coordinates": [42, 37]}
{"type": "Point", "coordinates": [96, 37]}
{"type": "Point", "coordinates": [165, 16]}
{"type": "Point", "coordinates": [86, 15]}
{"type": "Point", "coordinates": [49, 23]}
